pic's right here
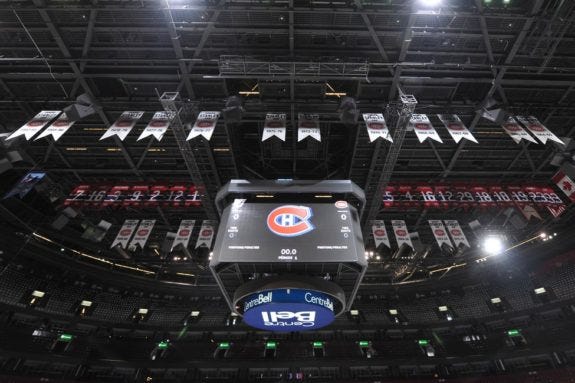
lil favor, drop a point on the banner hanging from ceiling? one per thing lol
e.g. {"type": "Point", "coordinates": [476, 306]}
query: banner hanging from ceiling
{"type": "Point", "coordinates": [206, 234]}
{"type": "Point", "coordinates": [439, 232]}
{"type": "Point", "coordinates": [204, 126]}
{"type": "Point", "coordinates": [456, 128]}
{"type": "Point", "coordinates": [538, 129]}
{"type": "Point", "coordinates": [308, 126]}
{"type": "Point", "coordinates": [274, 126]}
{"type": "Point", "coordinates": [142, 234]}
{"type": "Point", "coordinates": [516, 132]}
{"type": "Point", "coordinates": [123, 125]}
{"type": "Point", "coordinates": [58, 128]}
{"type": "Point", "coordinates": [125, 233]}
{"type": "Point", "coordinates": [376, 127]}
{"type": "Point", "coordinates": [457, 235]}
{"type": "Point", "coordinates": [423, 129]}
{"type": "Point", "coordinates": [184, 233]}
{"type": "Point", "coordinates": [35, 125]}
{"type": "Point", "coordinates": [565, 184]}
{"type": "Point", "coordinates": [157, 127]}
{"type": "Point", "coordinates": [401, 233]}
{"type": "Point", "coordinates": [380, 233]}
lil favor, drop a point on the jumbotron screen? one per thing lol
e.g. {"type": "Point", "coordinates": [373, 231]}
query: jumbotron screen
{"type": "Point", "coordinates": [291, 232]}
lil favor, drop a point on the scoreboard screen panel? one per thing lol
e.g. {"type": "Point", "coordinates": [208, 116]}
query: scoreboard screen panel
{"type": "Point", "coordinates": [267, 232]}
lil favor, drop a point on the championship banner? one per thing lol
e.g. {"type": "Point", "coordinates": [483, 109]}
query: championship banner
{"type": "Point", "coordinates": [275, 125]}
{"type": "Point", "coordinates": [157, 126]}
{"type": "Point", "coordinates": [142, 234]}
{"type": "Point", "coordinates": [123, 125]}
{"type": "Point", "coordinates": [204, 126]}
{"type": "Point", "coordinates": [566, 184]}
{"type": "Point", "coordinates": [308, 126]}
{"type": "Point", "coordinates": [456, 128]}
{"type": "Point", "coordinates": [423, 129]}
{"type": "Point", "coordinates": [439, 232]}
{"type": "Point", "coordinates": [206, 234]}
{"type": "Point", "coordinates": [456, 233]}
{"type": "Point", "coordinates": [376, 127]}
{"type": "Point", "coordinates": [184, 233]}
{"type": "Point", "coordinates": [538, 129]}
{"type": "Point", "coordinates": [401, 233]}
{"type": "Point", "coordinates": [380, 234]}
{"type": "Point", "coordinates": [25, 184]}
{"type": "Point", "coordinates": [516, 132]}
{"type": "Point", "coordinates": [529, 212]}
{"type": "Point", "coordinates": [58, 128]}
{"type": "Point", "coordinates": [125, 233]}
{"type": "Point", "coordinates": [556, 211]}
{"type": "Point", "coordinates": [35, 125]}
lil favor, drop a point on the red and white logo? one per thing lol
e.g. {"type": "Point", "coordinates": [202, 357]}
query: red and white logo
{"type": "Point", "coordinates": [512, 127]}
{"type": "Point", "coordinates": [184, 233]}
{"type": "Point", "coordinates": [142, 232]}
{"type": "Point", "coordinates": [537, 128]}
{"type": "Point", "coordinates": [204, 123]}
{"type": "Point", "coordinates": [401, 233]}
{"type": "Point", "coordinates": [206, 233]}
{"type": "Point", "coordinates": [341, 204]}
{"type": "Point", "coordinates": [290, 220]}
{"type": "Point", "coordinates": [380, 233]}
{"type": "Point", "coordinates": [125, 232]}
{"type": "Point", "coordinates": [456, 232]}
{"type": "Point", "coordinates": [456, 127]}
{"type": "Point", "coordinates": [123, 123]}
{"type": "Point", "coordinates": [36, 123]}
{"type": "Point", "coordinates": [423, 126]}
{"type": "Point", "coordinates": [439, 233]}
{"type": "Point", "coordinates": [376, 125]}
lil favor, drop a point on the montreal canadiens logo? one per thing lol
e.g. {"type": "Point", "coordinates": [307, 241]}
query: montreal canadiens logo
{"type": "Point", "coordinates": [439, 233]}
{"type": "Point", "coordinates": [422, 126]}
{"type": "Point", "coordinates": [290, 220]}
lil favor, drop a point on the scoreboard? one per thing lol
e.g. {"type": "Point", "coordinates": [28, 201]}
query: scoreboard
{"type": "Point", "coordinates": [267, 232]}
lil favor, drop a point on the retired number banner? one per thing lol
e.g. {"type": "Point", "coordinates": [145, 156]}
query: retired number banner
{"type": "Point", "coordinates": [275, 125]}
{"type": "Point", "coordinates": [456, 233]}
{"type": "Point", "coordinates": [456, 128]}
{"type": "Point", "coordinates": [206, 234]}
{"type": "Point", "coordinates": [308, 126]}
{"type": "Point", "coordinates": [123, 125]}
{"type": "Point", "coordinates": [380, 234]}
{"type": "Point", "coordinates": [376, 127]}
{"type": "Point", "coordinates": [35, 125]}
{"type": "Point", "coordinates": [157, 126]}
{"type": "Point", "coordinates": [205, 125]}
{"type": "Point", "coordinates": [538, 130]}
{"type": "Point", "coordinates": [423, 129]}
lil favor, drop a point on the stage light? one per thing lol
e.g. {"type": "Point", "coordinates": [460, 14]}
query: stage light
{"type": "Point", "coordinates": [430, 3]}
{"type": "Point", "coordinates": [543, 235]}
{"type": "Point", "coordinates": [493, 245]}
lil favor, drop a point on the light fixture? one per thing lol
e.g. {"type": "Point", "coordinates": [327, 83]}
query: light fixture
{"type": "Point", "coordinates": [430, 3]}
{"type": "Point", "coordinates": [543, 235]}
{"type": "Point", "coordinates": [493, 245]}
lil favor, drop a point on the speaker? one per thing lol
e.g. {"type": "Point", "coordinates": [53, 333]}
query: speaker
{"type": "Point", "coordinates": [60, 222]}
{"type": "Point", "coordinates": [83, 107]}
{"type": "Point", "coordinates": [498, 116]}
{"type": "Point", "coordinates": [14, 156]}
{"type": "Point", "coordinates": [348, 112]}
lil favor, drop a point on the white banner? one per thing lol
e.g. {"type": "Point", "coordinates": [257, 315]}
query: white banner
{"type": "Point", "coordinates": [275, 125]}
{"type": "Point", "coordinates": [206, 234]}
{"type": "Point", "coordinates": [157, 127]}
{"type": "Point", "coordinates": [380, 234]}
{"type": "Point", "coordinates": [142, 234]}
{"type": "Point", "coordinates": [35, 125]}
{"type": "Point", "coordinates": [538, 129]}
{"type": "Point", "coordinates": [529, 212]}
{"type": "Point", "coordinates": [123, 125]}
{"type": "Point", "coordinates": [308, 126]}
{"type": "Point", "coordinates": [58, 128]}
{"type": "Point", "coordinates": [376, 127]}
{"type": "Point", "coordinates": [456, 128]}
{"type": "Point", "coordinates": [125, 233]}
{"type": "Point", "coordinates": [423, 129]}
{"type": "Point", "coordinates": [439, 232]}
{"type": "Point", "coordinates": [184, 233]}
{"type": "Point", "coordinates": [401, 233]}
{"type": "Point", "coordinates": [204, 126]}
{"type": "Point", "coordinates": [516, 132]}
{"type": "Point", "coordinates": [456, 233]}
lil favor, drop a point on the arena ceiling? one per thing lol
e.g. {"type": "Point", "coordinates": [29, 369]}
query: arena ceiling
{"type": "Point", "coordinates": [289, 55]}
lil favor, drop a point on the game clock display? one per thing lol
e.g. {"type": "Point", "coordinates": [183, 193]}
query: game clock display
{"type": "Point", "coordinates": [263, 232]}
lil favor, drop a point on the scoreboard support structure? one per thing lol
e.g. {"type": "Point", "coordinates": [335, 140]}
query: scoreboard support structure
{"type": "Point", "coordinates": [291, 235]}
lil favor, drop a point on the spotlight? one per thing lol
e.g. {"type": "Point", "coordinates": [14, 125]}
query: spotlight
{"type": "Point", "coordinates": [430, 3]}
{"type": "Point", "coordinates": [493, 245]}
{"type": "Point", "coordinates": [543, 235]}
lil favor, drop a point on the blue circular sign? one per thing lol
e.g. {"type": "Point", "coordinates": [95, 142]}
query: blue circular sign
{"type": "Point", "coordinates": [286, 310]}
